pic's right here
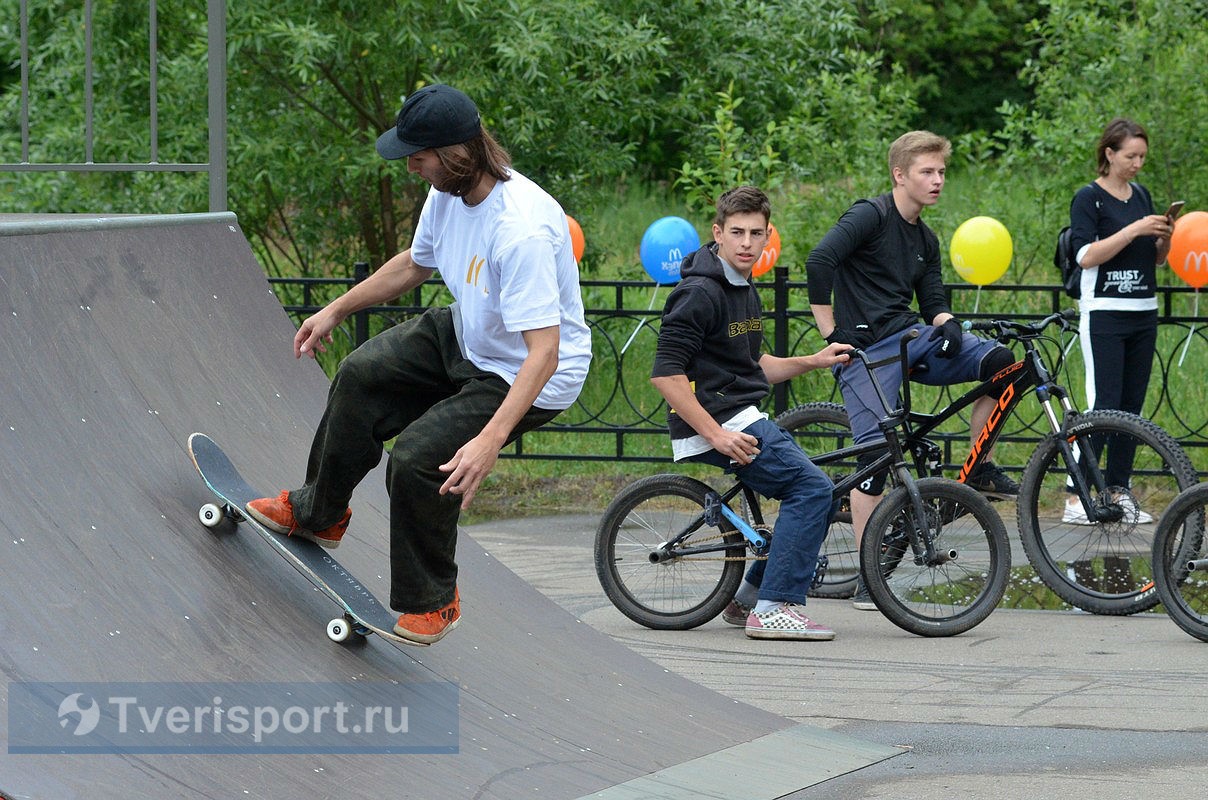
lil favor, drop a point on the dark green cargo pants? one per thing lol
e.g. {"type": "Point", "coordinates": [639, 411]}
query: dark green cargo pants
{"type": "Point", "coordinates": [411, 382]}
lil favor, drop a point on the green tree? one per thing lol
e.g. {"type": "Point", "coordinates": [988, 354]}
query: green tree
{"type": "Point", "coordinates": [558, 82]}
{"type": "Point", "coordinates": [121, 102]}
{"type": "Point", "coordinates": [964, 54]}
{"type": "Point", "coordinates": [595, 98]}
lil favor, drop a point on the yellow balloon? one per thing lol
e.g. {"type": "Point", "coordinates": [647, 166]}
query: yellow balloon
{"type": "Point", "coordinates": [981, 250]}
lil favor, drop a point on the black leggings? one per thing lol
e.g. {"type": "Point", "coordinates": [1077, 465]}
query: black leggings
{"type": "Point", "coordinates": [1119, 360]}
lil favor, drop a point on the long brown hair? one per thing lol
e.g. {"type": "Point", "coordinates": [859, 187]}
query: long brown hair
{"type": "Point", "coordinates": [468, 161]}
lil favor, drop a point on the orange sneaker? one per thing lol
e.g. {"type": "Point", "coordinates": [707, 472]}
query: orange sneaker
{"type": "Point", "coordinates": [430, 626]}
{"type": "Point", "coordinates": [276, 514]}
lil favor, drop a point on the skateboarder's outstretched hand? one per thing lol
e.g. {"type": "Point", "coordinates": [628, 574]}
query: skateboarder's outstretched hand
{"type": "Point", "coordinates": [314, 332]}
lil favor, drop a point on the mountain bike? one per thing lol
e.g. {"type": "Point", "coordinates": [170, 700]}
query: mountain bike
{"type": "Point", "coordinates": [670, 550]}
{"type": "Point", "coordinates": [1180, 561]}
{"type": "Point", "coordinates": [1095, 554]}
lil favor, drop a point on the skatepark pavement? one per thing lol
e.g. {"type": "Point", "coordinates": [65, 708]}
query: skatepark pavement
{"type": "Point", "coordinates": [1029, 704]}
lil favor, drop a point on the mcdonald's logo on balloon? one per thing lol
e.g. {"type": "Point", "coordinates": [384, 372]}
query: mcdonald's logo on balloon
{"type": "Point", "coordinates": [664, 245]}
{"type": "Point", "coordinates": [1188, 255]}
{"type": "Point", "coordinates": [771, 253]}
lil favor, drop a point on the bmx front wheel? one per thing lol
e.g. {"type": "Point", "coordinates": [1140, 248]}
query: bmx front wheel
{"type": "Point", "coordinates": [1134, 470]}
{"type": "Point", "coordinates": [971, 558]}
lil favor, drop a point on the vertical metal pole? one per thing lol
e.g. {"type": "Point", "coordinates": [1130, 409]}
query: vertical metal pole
{"type": "Point", "coordinates": [88, 81]}
{"type": "Point", "coordinates": [24, 14]}
{"type": "Point", "coordinates": [361, 324]}
{"type": "Point", "coordinates": [153, 47]}
{"type": "Point", "coordinates": [216, 13]}
{"type": "Point", "coordinates": [780, 347]}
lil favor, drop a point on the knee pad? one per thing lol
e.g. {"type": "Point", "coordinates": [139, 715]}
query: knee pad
{"type": "Point", "coordinates": [874, 484]}
{"type": "Point", "coordinates": [996, 361]}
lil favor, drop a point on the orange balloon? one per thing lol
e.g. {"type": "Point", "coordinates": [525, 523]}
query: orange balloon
{"type": "Point", "coordinates": [770, 254]}
{"type": "Point", "coordinates": [1189, 248]}
{"type": "Point", "coordinates": [577, 242]}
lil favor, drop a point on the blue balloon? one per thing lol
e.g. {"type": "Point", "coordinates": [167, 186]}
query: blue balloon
{"type": "Point", "coordinates": [664, 245]}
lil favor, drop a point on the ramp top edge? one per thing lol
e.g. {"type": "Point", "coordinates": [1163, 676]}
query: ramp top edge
{"type": "Point", "coordinates": [32, 224]}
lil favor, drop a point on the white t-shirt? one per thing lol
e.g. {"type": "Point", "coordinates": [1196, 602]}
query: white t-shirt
{"type": "Point", "coordinates": [509, 265]}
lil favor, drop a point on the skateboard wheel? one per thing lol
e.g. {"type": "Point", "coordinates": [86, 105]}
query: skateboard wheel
{"type": "Point", "coordinates": [338, 630]}
{"type": "Point", "coordinates": [210, 515]}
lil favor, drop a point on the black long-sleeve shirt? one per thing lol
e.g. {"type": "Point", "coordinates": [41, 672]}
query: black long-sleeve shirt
{"type": "Point", "coordinates": [875, 263]}
{"type": "Point", "coordinates": [1127, 280]}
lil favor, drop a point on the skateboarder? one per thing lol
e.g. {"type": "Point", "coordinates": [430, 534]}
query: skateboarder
{"type": "Point", "coordinates": [454, 384]}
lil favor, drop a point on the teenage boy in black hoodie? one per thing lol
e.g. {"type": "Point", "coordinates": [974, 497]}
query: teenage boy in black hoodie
{"type": "Point", "coordinates": [710, 368]}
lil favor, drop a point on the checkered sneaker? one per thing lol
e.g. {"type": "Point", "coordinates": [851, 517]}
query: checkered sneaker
{"type": "Point", "coordinates": [787, 621]}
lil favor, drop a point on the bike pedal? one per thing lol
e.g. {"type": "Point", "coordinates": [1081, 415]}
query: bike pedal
{"type": "Point", "coordinates": [712, 510]}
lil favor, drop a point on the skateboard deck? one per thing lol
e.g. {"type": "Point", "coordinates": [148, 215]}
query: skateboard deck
{"type": "Point", "coordinates": [363, 613]}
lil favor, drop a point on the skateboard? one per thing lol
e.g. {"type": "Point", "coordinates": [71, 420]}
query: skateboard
{"type": "Point", "coordinates": [363, 613]}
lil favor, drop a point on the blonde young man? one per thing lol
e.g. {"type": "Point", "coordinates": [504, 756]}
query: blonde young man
{"type": "Point", "coordinates": [876, 260]}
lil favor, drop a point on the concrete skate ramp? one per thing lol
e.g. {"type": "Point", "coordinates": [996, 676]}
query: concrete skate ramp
{"type": "Point", "coordinates": [118, 338]}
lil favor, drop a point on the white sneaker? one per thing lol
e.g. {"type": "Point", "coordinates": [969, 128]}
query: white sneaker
{"type": "Point", "coordinates": [1132, 512]}
{"type": "Point", "coordinates": [1075, 515]}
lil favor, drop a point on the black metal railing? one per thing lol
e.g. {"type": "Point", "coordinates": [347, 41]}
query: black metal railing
{"type": "Point", "coordinates": [619, 416]}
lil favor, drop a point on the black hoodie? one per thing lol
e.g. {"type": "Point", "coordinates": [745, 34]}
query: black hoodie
{"type": "Point", "coordinates": [712, 332]}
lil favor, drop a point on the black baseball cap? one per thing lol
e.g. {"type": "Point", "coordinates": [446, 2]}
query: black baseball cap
{"type": "Point", "coordinates": [435, 116]}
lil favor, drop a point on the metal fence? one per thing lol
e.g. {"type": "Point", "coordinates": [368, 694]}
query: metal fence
{"type": "Point", "coordinates": [215, 167]}
{"type": "Point", "coordinates": [620, 417]}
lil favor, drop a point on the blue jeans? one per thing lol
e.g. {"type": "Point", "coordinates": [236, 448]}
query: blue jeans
{"type": "Point", "coordinates": [864, 408]}
{"type": "Point", "coordinates": [782, 471]}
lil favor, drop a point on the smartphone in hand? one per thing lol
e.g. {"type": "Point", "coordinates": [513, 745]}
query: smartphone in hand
{"type": "Point", "coordinates": [1175, 209]}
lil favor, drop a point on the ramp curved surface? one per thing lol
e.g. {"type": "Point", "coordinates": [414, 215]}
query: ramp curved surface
{"type": "Point", "coordinates": [121, 336]}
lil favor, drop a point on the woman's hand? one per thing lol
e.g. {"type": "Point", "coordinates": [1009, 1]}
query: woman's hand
{"type": "Point", "coordinates": [1156, 225]}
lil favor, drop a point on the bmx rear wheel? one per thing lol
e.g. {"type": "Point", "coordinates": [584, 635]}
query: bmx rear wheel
{"type": "Point", "coordinates": [656, 584]}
